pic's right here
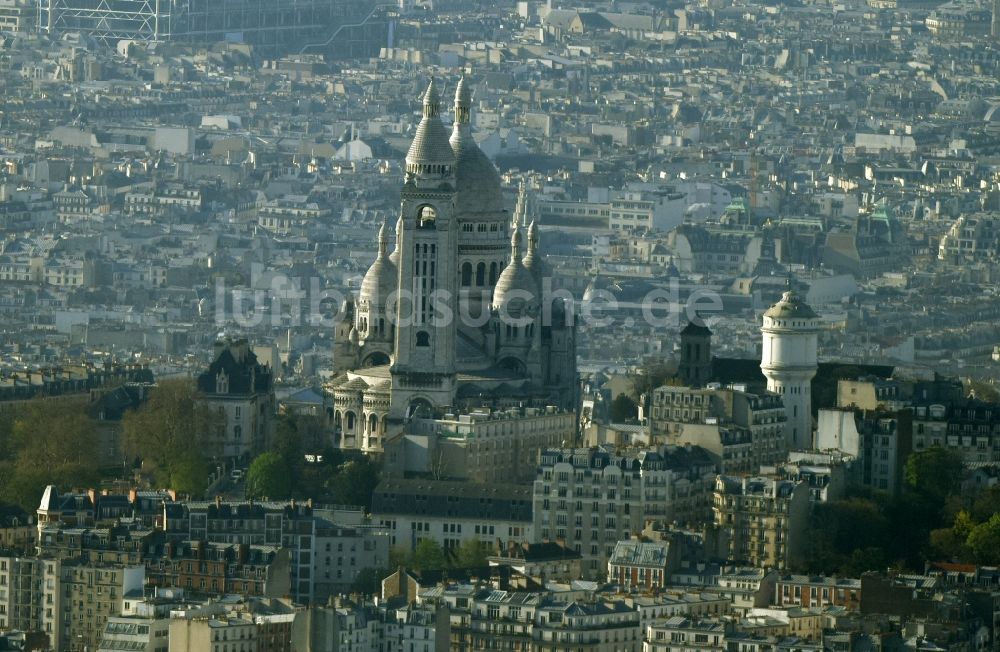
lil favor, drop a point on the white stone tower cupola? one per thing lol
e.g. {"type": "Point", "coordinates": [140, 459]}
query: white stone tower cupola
{"type": "Point", "coordinates": [790, 332]}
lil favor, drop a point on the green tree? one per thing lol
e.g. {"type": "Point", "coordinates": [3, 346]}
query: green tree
{"type": "Point", "coordinates": [355, 482]}
{"type": "Point", "coordinates": [369, 581]}
{"type": "Point", "coordinates": [173, 434]}
{"type": "Point", "coordinates": [268, 477]}
{"type": "Point", "coordinates": [287, 440]}
{"type": "Point", "coordinates": [984, 541]}
{"type": "Point", "coordinates": [911, 517]}
{"type": "Point", "coordinates": [471, 553]}
{"type": "Point", "coordinates": [846, 535]}
{"type": "Point", "coordinates": [429, 556]}
{"type": "Point", "coordinates": [50, 442]}
{"type": "Point", "coordinates": [946, 545]}
{"type": "Point", "coordinates": [864, 559]}
{"type": "Point", "coordinates": [623, 408]}
{"type": "Point", "coordinates": [399, 557]}
{"type": "Point", "coordinates": [935, 473]}
{"type": "Point", "coordinates": [189, 473]}
{"type": "Point", "coordinates": [653, 374]}
{"type": "Point", "coordinates": [986, 504]}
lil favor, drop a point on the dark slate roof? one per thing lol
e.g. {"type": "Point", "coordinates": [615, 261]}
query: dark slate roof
{"type": "Point", "coordinates": [747, 370]}
{"type": "Point", "coordinates": [493, 501]}
{"type": "Point", "coordinates": [696, 329]}
{"type": "Point", "coordinates": [246, 377]}
{"type": "Point", "coordinates": [112, 405]}
{"type": "Point", "coordinates": [547, 551]}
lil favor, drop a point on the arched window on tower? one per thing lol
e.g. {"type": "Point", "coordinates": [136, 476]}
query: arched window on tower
{"type": "Point", "coordinates": [493, 273]}
{"type": "Point", "coordinates": [426, 217]}
{"type": "Point", "coordinates": [423, 338]}
{"type": "Point", "coordinates": [481, 274]}
{"type": "Point", "coordinates": [466, 274]}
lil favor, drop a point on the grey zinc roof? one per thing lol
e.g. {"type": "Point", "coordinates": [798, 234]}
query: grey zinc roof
{"type": "Point", "coordinates": [641, 553]}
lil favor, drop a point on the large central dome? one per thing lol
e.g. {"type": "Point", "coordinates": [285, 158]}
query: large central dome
{"type": "Point", "coordinates": [476, 178]}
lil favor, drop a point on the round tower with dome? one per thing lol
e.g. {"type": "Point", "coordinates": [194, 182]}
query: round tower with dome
{"type": "Point", "coordinates": [790, 332]}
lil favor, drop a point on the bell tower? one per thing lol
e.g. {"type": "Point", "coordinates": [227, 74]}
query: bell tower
{"type": "Point", "coordinates": [695, 367]}
{"type": "Point", "coordinates": [423, 369]}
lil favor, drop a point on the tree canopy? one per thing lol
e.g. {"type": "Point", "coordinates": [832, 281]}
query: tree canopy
{"type": "Point", "coordinates": [935, 472]}
{"type": "Point", "coordinates": [354, 482]}
{"type": "Point", "coordinates": [429, 556]}
{"type": "Point", "coordinates": [48, 442]}
{"type": "Point", "coordinates": [623, 408]}
{"type": "Point", "coordinates": [471, 553]}
{"type": "Point", "coordinates": [173, 434]}
{"type": "Point", "coordinates": [269, 477]}
{"type": "Point", "coordinates": [984, 541]}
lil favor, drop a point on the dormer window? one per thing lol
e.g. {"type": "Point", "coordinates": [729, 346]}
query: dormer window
{"type": "Point", "coordinates": [222, 383]}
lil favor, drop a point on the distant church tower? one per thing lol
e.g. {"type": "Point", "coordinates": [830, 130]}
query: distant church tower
{"type": "Point", "coordinates": [790, 332]}
{"type": "Point", "coordinates": [423, 366]}
{"type": "Point", "coordinates": [695, 366]}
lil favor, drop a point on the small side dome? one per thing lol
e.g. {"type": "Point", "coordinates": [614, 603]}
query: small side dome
{"type": "Point", "coordinates": [354, 337]}
{"type": "Point", "coordinates": [380, 280]}
{"type": "Point", "coordinates": [516, 288]}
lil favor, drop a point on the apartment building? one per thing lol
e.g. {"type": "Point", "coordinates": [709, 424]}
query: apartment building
{"type": "Point", "coordinates": [536, 621]}
{"type": "Point", "coordinates": [741, 429]}
{"type": "Point", "coordinates": [817, 591]}
{"type": "Point", "coordinates": [761, 520]}
{"type": "Point", "coordinates": [968, 427]}
{"type": "Point", "coordinates": [450, 512]}
{"type": "Point", "coordinates": [252, 570]}
{"type": "Point", "coordinates": [640, 564]}
{"type": "Point", "coordinates": [69, 600]}
{"type": "Point", "coordinates": [593, 498]}
{"type": "Point", "coordinates": [328, 547]}
{"type": "Point", "coordinates": [160, 201]}
{"type": "Point", "coordinates": [600, 626]}
{"type": "Point", "coordinates": [881, 440]}
{"type": "Point", "coordinates": [681, 634]}
{"type": "Point", "coordinates": [484, 446]}
{"type": "Point", "coordinates": [290, 213]}
{"type": "Point", "coordinates": [213, 634]}
{"type": "Point", "coordinates": [415, 628]}
{"type": "Point", "coordinates": [144, 623]}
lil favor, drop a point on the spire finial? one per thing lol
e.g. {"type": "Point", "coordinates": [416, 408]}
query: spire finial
{"type": "Point", "coordinates": [383, 241]}
{"type": "Point", "coordinates": [432, 100]}
{"type": "Point", "coordinates": [515, 245]}
{"type": "Point", "coordinates": [520, 206]}
{"type": "Point", "coordinates": [463, 102]}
